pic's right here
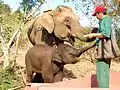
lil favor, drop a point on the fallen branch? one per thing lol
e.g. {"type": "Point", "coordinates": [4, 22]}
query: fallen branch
{"type": "Point", "coordinates": [12, 38]}
{"type": "Point", "coordinates": [17, 42]}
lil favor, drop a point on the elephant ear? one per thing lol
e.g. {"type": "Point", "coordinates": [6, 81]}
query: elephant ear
{"type": "Point", "coordinates": [56, 55]}
{"type": "Point", "coordinates": [46, 20]}
{"type": "Point", "coordinates": [61, 30]}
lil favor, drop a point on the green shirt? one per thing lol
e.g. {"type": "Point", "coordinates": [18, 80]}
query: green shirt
{"type": "Point", "coordinates": [105, 27]}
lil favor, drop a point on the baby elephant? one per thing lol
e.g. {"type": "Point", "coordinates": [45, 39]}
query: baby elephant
{"type": "Point", "coordinates": [49, 61]}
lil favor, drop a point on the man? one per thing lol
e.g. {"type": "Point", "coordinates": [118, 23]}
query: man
{"type": "Point", "coordinates": [104, 32]}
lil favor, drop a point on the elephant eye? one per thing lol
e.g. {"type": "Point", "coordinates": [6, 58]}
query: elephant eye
{"type": "Point", "coordinates": [67, 20]}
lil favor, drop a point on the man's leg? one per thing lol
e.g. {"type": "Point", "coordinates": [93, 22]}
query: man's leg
{"type": "Point", "coordinates": [102, 68]}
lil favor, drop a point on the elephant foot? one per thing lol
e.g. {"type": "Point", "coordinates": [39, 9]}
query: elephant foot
{"type": "Point", "coordinates": [38, 78]}
{"type": "Point", "coordinates": [48, 79]}
{"type": "Point", "coordinates": [29, 79]}
{"type": "Point", "coordinates": [59, 76]}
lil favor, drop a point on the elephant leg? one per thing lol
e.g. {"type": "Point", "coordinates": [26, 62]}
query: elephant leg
{"type": "Point", "coordinates": [48, 77]}
{"type": "Point", "coordinates": [47, 73]}
{"type": "Point", "coordinates": [29, 72]}
{"type": "Point", "coordinates": [59, 76]}
{"type": "Point", "coordinates": [29, 76]}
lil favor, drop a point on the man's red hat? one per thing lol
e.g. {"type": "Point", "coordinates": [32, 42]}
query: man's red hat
{"type": "Point", "coordinates": [99, 9]}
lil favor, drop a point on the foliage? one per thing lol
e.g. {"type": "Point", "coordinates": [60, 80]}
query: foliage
{"type": "Point", "coordinates": [112, 4]}
{"type": "Point", "coordinates": [9, 79]}
{"type": "Point", "coordinates": [4, 8]}
{"type": "Point", "coordinates": [116, 3]}
{"type": "Point", "coordinates": [9, 20]}
{"type": "Point", "coordinates": [27, 5]}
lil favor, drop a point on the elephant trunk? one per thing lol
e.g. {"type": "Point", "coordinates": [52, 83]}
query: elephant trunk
{"type": "Point", "coordinates": [82, 50]}
{"type": "Point", "coordinates": [82, 38]}
{"type": "Point", "coordinates": [77, 31]}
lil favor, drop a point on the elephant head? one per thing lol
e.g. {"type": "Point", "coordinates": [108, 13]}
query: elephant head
{"type": "Point", "coordinates": [66, 21]}
{"type": "Point", "coordinates": [61, 23]}
{"type": "Point", "coordinates": [67, 54]}
{"type": "Point", "coordinates": [71, 21]}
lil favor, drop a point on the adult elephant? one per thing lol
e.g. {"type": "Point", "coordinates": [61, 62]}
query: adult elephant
{"type": "Point", "coordinates": [54, 26]}
{"type": "Point", "coordinates": [49, 61]}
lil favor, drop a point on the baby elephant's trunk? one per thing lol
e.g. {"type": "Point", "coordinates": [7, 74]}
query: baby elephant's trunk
{"type": "Point", "coordinates": [82, 50]}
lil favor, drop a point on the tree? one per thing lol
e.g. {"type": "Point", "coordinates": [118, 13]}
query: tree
{"type": "Point", "coordinates": [30, 7]}
{"type": "Point", "coordinates": [12, 24]}
{"type": "Point", "coordinates": [8, 23]}
{"type": "Point", "coordinates": [4, 8]}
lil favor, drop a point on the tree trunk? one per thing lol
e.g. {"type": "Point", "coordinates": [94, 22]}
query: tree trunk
{"type": "Point", "coordinates": [4, 48]}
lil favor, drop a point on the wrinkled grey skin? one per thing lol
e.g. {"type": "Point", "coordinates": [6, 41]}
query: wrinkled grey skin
{"type": "Point", "coordinates": [49, 61]}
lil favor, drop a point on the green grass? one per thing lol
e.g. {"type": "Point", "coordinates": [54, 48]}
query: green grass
{"type": "Point", "coordinates": [9, 79]}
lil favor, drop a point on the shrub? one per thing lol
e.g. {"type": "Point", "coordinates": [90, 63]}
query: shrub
{"type": "Point", "coordinates": [9, 79]}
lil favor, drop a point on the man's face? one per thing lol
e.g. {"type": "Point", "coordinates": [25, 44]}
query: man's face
{"type": "Point", "coordinates": [99, 15]}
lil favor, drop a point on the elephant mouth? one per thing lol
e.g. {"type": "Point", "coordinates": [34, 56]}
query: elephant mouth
{"type": "Point", "coordinates": [68, 27]}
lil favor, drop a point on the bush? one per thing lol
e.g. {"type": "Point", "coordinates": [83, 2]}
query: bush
{"type": "Point", "coordinates": [9, 79]}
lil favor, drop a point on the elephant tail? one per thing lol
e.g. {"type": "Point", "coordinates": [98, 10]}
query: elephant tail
{"type": "Point", "coordinates": [82, 50]}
